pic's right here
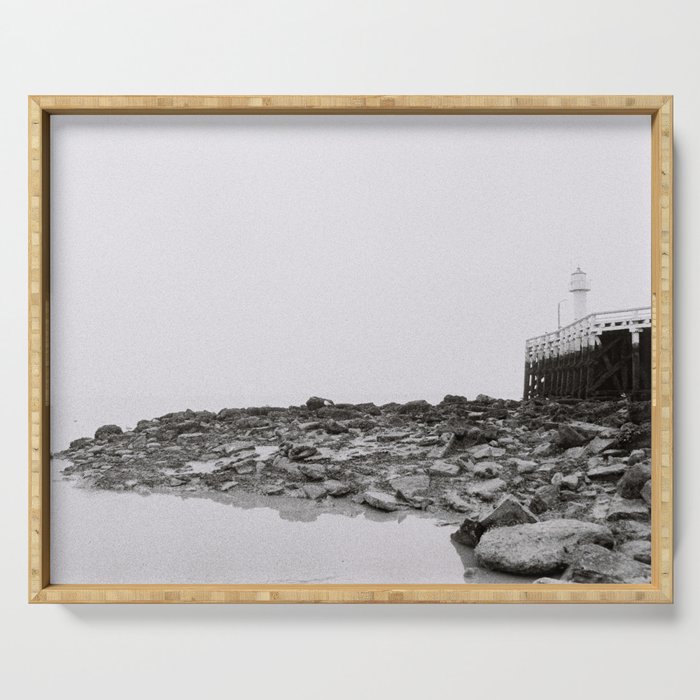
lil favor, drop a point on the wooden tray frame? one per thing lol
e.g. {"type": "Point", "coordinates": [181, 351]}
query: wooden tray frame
{"type": "Point", "coordinates": [660, 108]}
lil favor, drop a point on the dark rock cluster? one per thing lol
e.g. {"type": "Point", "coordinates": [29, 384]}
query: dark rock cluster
{"type": "Point", "coordinates": [560, 480]}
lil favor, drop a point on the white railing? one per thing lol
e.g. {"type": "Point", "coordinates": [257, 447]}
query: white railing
{"type": "Point", "coordinates": [586, 332]}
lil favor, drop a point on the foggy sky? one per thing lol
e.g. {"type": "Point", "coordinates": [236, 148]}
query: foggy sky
{"type": "Point", "coordinates": [206, 262]}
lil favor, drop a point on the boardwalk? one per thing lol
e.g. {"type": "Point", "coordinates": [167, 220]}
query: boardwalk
{"type": "Point", "coordinates": [601, 355]}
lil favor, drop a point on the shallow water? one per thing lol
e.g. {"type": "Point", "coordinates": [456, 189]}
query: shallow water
{"type": "Point", "coordinates": [124, 537]}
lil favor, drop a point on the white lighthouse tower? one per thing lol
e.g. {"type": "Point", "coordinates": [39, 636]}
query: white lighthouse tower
{"type": "Point", "coordinates": [579, 288]}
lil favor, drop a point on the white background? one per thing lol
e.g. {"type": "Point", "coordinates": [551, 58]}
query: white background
{"type": "Point", "coordinates": [359, 47]}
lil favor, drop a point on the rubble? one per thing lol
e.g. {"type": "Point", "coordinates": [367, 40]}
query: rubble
{"type": "Point", "coordinates": [584, 462]}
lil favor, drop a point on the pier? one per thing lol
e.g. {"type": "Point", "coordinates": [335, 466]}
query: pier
{"type": "Point", "coordinates": [602, 355]}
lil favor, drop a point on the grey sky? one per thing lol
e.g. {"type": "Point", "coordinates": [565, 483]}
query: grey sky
{"type": "Point", "coordinates": [230, 261]}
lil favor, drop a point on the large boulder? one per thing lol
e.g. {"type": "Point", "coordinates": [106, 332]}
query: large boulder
{"type": "Point", "coordinates": [107, 431]}
{"type": "Point", "coordinates": [537, 549]}
{"type": "Point", "coordinates": [591, 563]}
{"type": "Point", "coordinates": [633, 480]}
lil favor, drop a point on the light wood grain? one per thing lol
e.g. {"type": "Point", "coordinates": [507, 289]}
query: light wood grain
{"type": "Point", "coordinates": [350, 104]}
{"type": "Point", "coordinates": [660, 108]}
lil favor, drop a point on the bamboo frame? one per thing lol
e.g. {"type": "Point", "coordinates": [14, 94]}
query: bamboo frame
{"type": "Point", "coordinates": [660, 108]}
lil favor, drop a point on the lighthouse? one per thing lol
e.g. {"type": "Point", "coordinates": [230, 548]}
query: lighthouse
{"type": "Point", "coordinates": [579, 288]}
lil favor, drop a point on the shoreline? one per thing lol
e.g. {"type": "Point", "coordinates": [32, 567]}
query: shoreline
{"type": "Point", "coordinates": [502, 468]}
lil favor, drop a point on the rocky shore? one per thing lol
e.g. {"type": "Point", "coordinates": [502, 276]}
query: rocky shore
{"type": "Point", "coordinates": [555, 490]}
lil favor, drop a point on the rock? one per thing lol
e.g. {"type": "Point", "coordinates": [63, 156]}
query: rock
{"type": "Point", "coordinates": [335, 428]}
{"type": "Point", "coordinates": [465, 464]}
{"type": "Point", "coordinates": [646, 492]}
{"type": "Point", "coordinates": [429, 441]}
{"type": "Point", "coordinates": [450, 447]}
{"type": "Point", "coordinates": [590, 563]}
{"type": "Point", "coordinates": [411, 488]}
{"type": "Point", "coordinates": [337, 413]}
{"type": "Point", "coordinates": [392, 436]}
{"type": "Point", "coordinates": [575, 452]}
{"type": "Point", "coordinates": [456, 502]}
{"type": "Point", "coordinates": [524, 466]}
{"type": "Point", "coordinates": [107, 431]}
{"type": "Point", "coordinates": [600, 444]}
{"type": "Point", "coordinates": [314, 491]}
{"type": "Point", "coordinates": [636, 456]}
{"type": "Point", "coordinates": [414, 407]}
{"type": "Point", "coordinates": [273, 489]}
{"type": "Point", "coordinates": [228, 414]}
{"type": "Point", "coordinates": [545, 498]}
{"type": "Point", "coordinates": [570, 482]}
{"type": "Point", "coordinates": [547, 579]}
{"type": "Point", "coordinates": [633, 480]}
{"type": "Point", "coordinates": [285, 465]}
{"type": "Point", "coordinates": [536, 549]}
{"type": "Point", "coordinates": [487, 490]}
{"type": "Point", "coordinates": [369, 408]}
{"type": "Point", "coordinates": [626, 530]}
{"type": "Point", "coordinates": [247, 466]}
{"type": "Point", "coordinates": [570, 437]}
{"type": "Point", "coordinates": [609, 471]}
{"type": "Point", "coordinates": [337, 488]}
{"type": "Point", "coordinates": [543, 450]}
{"type": "Point", "coordinates": [189, 438]}
{"type": "Point", "coordinates": [509, 511]}
{"type": "Point", "coordinates": [314, 472]}
{"type": "Point", "coordinates": [486, 451]}
{"type": "Point", "coordinates": [80, 442]}
{"type": "Point", "coordinates": [450, 398]}
{"type": "Point", "coordinates": [487, 470]}
{"type": "Point", "coordinates": [311, 425]}
{"type": "Point", "coordinates": [380, 500]}
{"type": "Point", "coordinates": [443, 469]}
{"type": "Point", "coordinates": [627, 509]}
{"type": "Point", "coordinates": [637, 549]}
{"type": "Point", "coordinates": [316, 402]}
{"type": "Point", "coordinates": [470, 531]}
{"type": "Point", "coordinates": [301, 452]}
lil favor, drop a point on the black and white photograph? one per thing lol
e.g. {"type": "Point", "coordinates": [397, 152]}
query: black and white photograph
{"type": "Point", "coordinates": [350, 349]}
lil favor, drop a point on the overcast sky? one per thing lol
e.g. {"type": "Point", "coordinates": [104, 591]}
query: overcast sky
{"type": "Point", "coordinates": [206, 262]}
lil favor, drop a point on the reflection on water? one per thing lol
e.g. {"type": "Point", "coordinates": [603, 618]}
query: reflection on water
{"type": "Point", "coordinates": [109, 537]}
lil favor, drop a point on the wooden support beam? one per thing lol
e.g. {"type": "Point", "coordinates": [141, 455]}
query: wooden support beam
{"type": "Point", "coordinates": [635, 363]}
